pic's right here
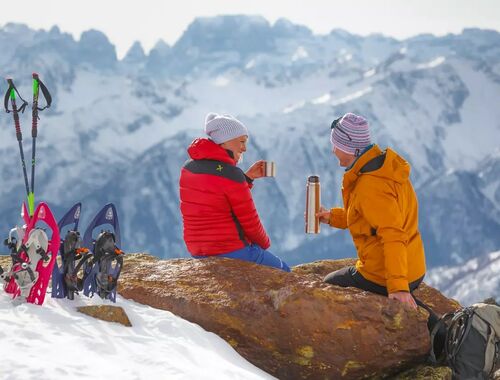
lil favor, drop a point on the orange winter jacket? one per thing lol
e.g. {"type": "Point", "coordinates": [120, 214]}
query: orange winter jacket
{"type": "Point", "coordinates": [381, 212]}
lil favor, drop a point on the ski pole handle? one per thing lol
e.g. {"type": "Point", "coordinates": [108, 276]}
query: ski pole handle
{"type": "Point", "coordinates": [34, 109]}
{"type": "Point", "coordinates": [45, 92]}
{"type": "Point", "coordinates": [15, 114]}
{"type": "Point", "coordinates": [11, 94]}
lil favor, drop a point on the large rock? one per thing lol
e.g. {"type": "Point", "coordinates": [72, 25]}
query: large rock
{"type": "Point", "coordinates": [108, 313]}
{"type": "Point", "coordinates": [430, 296]}
{"type": "Point", "coordinates": [291, 325]}
{"type": "Point", "coordinates": [5, 262]}
{"type": "Point", "coordinates": [425, 372]}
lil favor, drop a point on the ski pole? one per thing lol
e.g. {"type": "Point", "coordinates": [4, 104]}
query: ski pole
{"type": "Point", "coordinates": [37, 85]}
{"type": "Point", "coordinates": [11, 94]}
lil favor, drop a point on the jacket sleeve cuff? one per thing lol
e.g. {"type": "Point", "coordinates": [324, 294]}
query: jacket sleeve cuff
{"type": "Point", "coordinates": [338, 218]}
{"type": "Point", "coordinates": [397, 285]}
{"type": "Point", "coordinates": [249, 181]}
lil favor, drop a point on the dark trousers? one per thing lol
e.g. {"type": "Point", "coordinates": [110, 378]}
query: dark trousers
{"type": "Point", "coordinates": [350, 277]}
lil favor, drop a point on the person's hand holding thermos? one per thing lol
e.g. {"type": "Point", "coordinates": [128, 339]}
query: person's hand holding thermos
{"type": "Point", "coordinates": [324, 215]}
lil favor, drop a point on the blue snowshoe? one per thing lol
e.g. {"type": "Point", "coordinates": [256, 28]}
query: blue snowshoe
{"type": "Point", "coordinates": [65, 277]}
{"type": "Point", "coordinates": [101, 273]}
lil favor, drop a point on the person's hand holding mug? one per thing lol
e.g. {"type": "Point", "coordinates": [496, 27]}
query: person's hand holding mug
{"type": "Point", "coordinates": [256, 170]}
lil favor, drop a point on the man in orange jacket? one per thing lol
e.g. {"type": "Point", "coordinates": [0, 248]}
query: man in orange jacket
{"type": "Point", "coordinates": [381, 212]}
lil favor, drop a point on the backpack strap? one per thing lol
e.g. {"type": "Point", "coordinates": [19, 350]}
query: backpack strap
{"type": "Point", "coordinates": [433, 317]}
{"type": "Point", "coordinates": [438, 339]}
{"type": "Point", "coordinates": [458, 329]}
{"type": "Point", "coordinates": [437, 327]}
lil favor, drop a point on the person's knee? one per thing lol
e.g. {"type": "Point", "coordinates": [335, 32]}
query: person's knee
{"type": "Point", "coordinates": [332, 278]}
{"type": "Point", "coordinates": [341, 277]}
{"type": "Point", "coordinates": [272, 260]}
{"type": "Point", "coordinates": [285, 267]}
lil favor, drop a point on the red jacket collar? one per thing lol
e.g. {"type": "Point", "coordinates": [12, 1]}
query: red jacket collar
{"type": "Point", "coordinates": [206, 149]}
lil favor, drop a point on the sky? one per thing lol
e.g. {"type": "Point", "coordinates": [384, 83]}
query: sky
{"type": "Point", "coordinates": [147, 21]}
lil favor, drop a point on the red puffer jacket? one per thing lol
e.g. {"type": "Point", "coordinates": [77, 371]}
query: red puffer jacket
{"type": "Point", "coordinates": [217, 207]}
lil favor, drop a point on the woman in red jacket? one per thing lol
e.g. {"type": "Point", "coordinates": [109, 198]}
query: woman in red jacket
{"type": "Point", "coordinates": [217, 207]}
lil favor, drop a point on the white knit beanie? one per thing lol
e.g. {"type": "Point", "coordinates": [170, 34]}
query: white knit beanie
{"type": "Point", "coordinates": [222, 128]}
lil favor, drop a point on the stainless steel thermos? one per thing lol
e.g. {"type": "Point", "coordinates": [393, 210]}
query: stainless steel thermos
{"type": "Point", "coordinates": [313, 202]}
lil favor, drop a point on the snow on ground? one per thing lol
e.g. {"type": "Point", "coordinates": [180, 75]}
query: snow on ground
{"type": "Point", "coordinates": [54, 341]}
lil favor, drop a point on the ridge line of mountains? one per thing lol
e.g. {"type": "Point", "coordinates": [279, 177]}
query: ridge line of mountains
{"type": "Point", "coordinates": [118, 129]}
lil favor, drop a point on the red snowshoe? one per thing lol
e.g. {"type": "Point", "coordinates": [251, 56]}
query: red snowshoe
{"type": "Point", "coordinates": [33, 257]}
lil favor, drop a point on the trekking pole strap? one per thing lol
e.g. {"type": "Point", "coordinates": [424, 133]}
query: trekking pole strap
{"type": "Point", "coordinates": [46, 95]}
{"type": "Point", "coordinates": [10, 94]}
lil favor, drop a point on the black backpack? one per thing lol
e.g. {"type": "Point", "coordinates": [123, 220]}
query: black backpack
{"type": "Point", "coordinates": [468, 341]}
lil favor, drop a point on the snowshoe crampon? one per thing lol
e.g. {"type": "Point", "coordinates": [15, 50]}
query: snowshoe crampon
{"type": "Point", "coordinates": [101, 273]}
{"type": "Point", "coordinates": [33, 260]}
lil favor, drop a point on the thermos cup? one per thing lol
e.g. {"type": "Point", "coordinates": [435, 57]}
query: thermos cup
{"type": "Point", "coordinates": [269, 169]}
{"type": "Point", "coordinates": [313, 201]}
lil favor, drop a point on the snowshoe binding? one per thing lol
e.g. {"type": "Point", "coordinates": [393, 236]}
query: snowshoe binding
{"type": "Point", "coordinates": [33, 259]}
{"type": "Point", "coordinates": [109, 259]}
{"type": "Point", "coordinates": [66, 280]}
{"type": "Point", "coordinates": [101, 273]}
{"type": "Point", "coordinates": [14, 243]}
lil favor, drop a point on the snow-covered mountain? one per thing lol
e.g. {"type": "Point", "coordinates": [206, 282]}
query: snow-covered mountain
{"type": "Point", "coordinates": [471, 282]}
{"type": "Point", "coordinates": [118, 129]}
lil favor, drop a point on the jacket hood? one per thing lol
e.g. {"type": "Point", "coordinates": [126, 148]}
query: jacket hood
{"type": "Point", "coordinates": [394, 168]}
{"type": "Point", "coordinates": [206, 149]}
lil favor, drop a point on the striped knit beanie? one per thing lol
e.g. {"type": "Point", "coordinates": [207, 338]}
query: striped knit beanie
{"type": "Point", "coordinates": [222, 128]}
{"type": "Point", "coordinates": [350, 134]}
